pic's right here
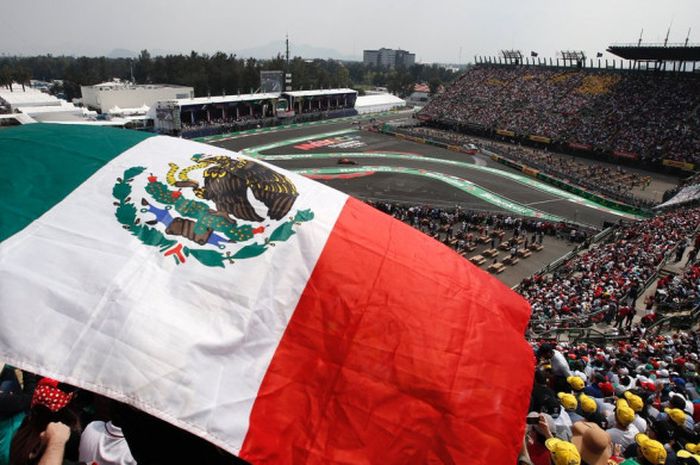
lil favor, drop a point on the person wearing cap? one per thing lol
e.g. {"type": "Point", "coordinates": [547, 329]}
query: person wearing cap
{"type": "Point", "coordinates": [570, 404]}
{"type": "Point", "coordinates": [685, 457]}
{"type": "Point", "coordinates": [589, 410]}
{"type": "Point", "coordinates": [563, 452]}
{"type": "Point", "coordinates": [661, 431]}
{"type": "Point", "coordinates": [592, 442]}
{"type": "Point", "coordinates": [50, 405]}
{"type": "Point", "coordinates": [637, 404]}
{"type": "Point", "coordinates": [677, 416]}
{"type": "Point", "coordinates": [576, 383]}
{"type": "Point", "coordinates": [679, 401]}
{"type": "Point", "coordinates": [624, 431]}
{"type": "Point", "coordinates": [677, 419]}
{"type": "Point", "coordinates": [649, 452]}
{"type": "Point", "coordinates": [560, 367]}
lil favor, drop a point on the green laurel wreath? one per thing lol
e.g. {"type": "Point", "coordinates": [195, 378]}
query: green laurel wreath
{"type": "Point", "coordinates": [126, 216]}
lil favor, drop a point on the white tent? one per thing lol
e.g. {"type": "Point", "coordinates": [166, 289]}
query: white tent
{"type": "Point", "coordinates": [378, 103]}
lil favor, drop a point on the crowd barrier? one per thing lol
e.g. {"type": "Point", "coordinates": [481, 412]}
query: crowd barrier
{"type": "Point", "coordinates": [674, 323]}
{"type": "Point", "coordinates": [588, 335]}
{"type": "Point", "coordinates": [549, 179]}
{"type": "Point", "coordinates": [573, 148]}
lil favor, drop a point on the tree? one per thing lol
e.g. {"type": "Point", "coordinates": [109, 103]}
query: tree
{"type": "Point", "coordinates": [142, 67]}
{"type": "Point", "coordinates": [216, 73]}
{"type": "Point", "coordinates": [341, 76]}
{"type": "Point", "coordinates": [6, 77]}
{"type": "Point", "coordinates": [434, 85]}
{"type": "Point", "coordinates": [400, 83]}
{"type": "Point", "coordinates": [22, 75]}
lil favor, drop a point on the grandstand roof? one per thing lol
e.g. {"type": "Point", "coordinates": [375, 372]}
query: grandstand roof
{"type": "Point", "coordinates": [657, 52]}
{"type": "Point", "coordinates": [126, 85]}
{"type": "Point", "coordinates": [227, 99]}
{"type": "Point", "coordinates": [319, 92]}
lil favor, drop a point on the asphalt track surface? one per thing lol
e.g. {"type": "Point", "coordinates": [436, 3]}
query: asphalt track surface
{"type": "Point", "coordinates": [407, 188]}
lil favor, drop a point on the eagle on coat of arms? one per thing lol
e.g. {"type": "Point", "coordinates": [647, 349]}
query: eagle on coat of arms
{"type": "Point", "coordinates": [226, 184]}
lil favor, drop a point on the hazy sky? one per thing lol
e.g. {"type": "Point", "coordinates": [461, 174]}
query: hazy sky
{"type": "Point", "coordinates": [435, 29]}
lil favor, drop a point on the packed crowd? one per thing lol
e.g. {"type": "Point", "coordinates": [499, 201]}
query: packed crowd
{"type": "Point", "coordinates": [220, 121]}
{"type": "Point", "coordinates": [457, 228]}
{"type": "Point", "coordinates": [682, 291]}
{"type": "Point", "coordinates": [606, 280]}
{"type": "Point", "coordinates": [613, 182]}
{"type": "Point", "coordinates": [45, 422]}
{"type": "Point", "coordinates": [634, 402]}
{"type": "Point", "coordinates": [690, 185]}
{"type": "Point", "coordinates": [204, 127]}
{"type": "Point", "coordinates": [652, 116]}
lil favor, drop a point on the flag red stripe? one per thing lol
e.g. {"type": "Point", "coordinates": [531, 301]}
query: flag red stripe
{"type": "Point", "coordinates": [399, 351]}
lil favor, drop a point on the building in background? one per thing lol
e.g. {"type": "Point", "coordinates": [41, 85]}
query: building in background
{"type": "Point", "coordinates": [123, 95]}
{"type": "Point", "coordinates": [389, 58]}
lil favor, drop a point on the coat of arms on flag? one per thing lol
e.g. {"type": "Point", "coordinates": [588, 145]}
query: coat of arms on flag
{"type": "Point", "coordinates": [183, 218]}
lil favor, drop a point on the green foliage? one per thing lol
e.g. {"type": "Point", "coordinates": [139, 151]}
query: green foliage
{"type": "Point", "coordinates": [250, 251]}
{"type": "Point", "coordinates": [121, 190]}
{"type": "Point", "coordinates": [151, 236]}
{"type": "Point", "coordinates": [126, 214]}
{"type": "Point", "coordinates": [303, 215]}
{"type": "Point", "coordinates": [210, 74]}
{"type": "Point", "coordinates": [133, 172]}
{"type": "Point", "coordinates": [207, 257]}
{"type": "Point", "coordinates": [282, 232]}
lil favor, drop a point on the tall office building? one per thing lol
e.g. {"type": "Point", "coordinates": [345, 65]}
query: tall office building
{"type": "Point", "coordinates": [389, 58]}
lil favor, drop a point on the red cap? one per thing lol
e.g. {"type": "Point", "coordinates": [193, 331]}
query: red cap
{"type": "Point", "coordinates": [50, 396]}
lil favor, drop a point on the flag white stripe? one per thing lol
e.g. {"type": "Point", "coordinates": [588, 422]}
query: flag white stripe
{"type": "Point", "coordinates": [85, 301]}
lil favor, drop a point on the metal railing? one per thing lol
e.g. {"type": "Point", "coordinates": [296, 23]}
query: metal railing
{"type": "Point", "coordinates": [674, 322]}
{"type": "Point", "coordinates": [580, 334]}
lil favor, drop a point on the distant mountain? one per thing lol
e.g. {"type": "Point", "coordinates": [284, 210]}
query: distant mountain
{"type": "Point", "coordinates": [295, 50]}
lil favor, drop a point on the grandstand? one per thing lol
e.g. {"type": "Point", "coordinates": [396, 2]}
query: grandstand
{"type": "Point", "coordinates": [200, 116]}
{"type": "Point", "coordinates": [614, 320]}
{"type": "Point", "coordinates": [646, 116]}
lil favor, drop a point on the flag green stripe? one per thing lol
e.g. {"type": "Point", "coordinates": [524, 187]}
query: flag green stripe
{"type": "Point", "coordinates": [40, 164]}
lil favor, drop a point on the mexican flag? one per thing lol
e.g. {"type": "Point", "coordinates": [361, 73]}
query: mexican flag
{"type": "Point", "coordinates": [267, 313]}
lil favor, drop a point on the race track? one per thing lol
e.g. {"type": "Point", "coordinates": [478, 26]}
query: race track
{"type": "Point", "coordinates": [398, 170]}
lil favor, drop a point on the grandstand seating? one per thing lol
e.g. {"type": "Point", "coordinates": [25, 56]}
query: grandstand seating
{"type": "Point", "coordinates": [645, 115]}
{"type": "Point", "coordinates": [592, 286]}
